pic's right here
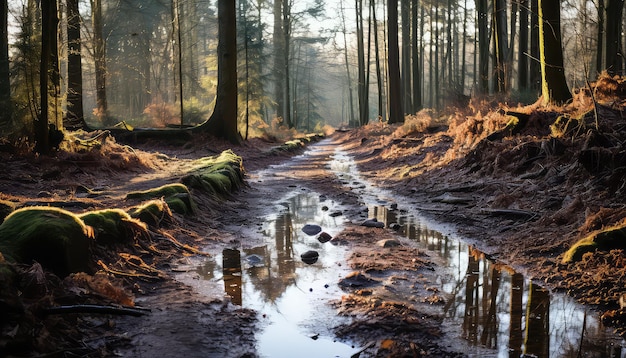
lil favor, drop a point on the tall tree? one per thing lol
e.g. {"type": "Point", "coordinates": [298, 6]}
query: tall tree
{"type": "Point", "coordinates": [416, 70]}
{"type": "Point", "coordinates": [501, 46]}
{"type": "Point", "coordinates": [522, 53]}
{"type": "Point", "coordinates": [483, 46]}
{"type": "Point", "coordinates": [395, 96]}
{"type": "Point", "coordinates": [348, 67]}
{"type": "Point", "coordinates": [99, 62]}
{"type": "Point", "coordinates": [535, 67]}
{"type": "Point", "coordinates": [361, 87]}
{"type": "Point", "coordinates": [5, 86]}
{"type": "Point", "coordinates": [75, 117]}
{"type": "Point", "coordinates": [554, 87]}
{"type": "Point", "coordinates": [49, 23]}
{"type": "Point", "coordinates": [379, 75]}
{"type": "Point", "coordinates": [223, 121]}
{"type": "Point", "coordinates": [405, 20]}
{"type": "Point", "coordinates": [279, 65]}
{"type": "Point", "coordinates": [613, 34]}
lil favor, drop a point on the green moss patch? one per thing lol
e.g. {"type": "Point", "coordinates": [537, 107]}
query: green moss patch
{"type": "Point", "coordinates": [57, 239]}
{"type": "Point", "coordinates": [217, 176]}
{"type": "Point", "coordinates": [113, 226]}
{"type": "Point", "coordinates": [176, 196]}
{"type": "Point", "coordinates": [605, 240]}
{"type": "Point", "coordinates": [154, 213]}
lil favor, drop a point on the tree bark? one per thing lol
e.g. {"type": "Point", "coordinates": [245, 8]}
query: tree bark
{"type": "Point", "coordinates": [501, 46]}
{"type": "Point", "coordinates": [554, 87]}
{"type": "Point", "coordinates": [483, 46]}
{"type": "Point", "coordinates": [395, 97]}
{"type": "Point", "coordinates": [279, 66]}
{"type": "Point", "coordinates": [535, 67]}
{"type": "Point", "coordinates": [417, 75]}
{"type": "Point", "coordinates": [5, 80]}
{"type": "Point", "coordinates": [99, 62]}
{"type": "Point", "coordinates": [75, 116]}
{"type": "Point", "coordinates": [522, 59]}
{"type": "Point", "coordinates": [379, 76]}
{"type": "Point", "coordinates": [223, 121]}
{"type": "Point", "coordinates": [613, 48]}
{"type": "Point", "coordinates": [363, 113]}
{"type": "Point", "coordinates": [345, 53]}
{"type": "Point", "coordinates": [49, 22]}
{"type": "Point", "coordinates": [406, 55]}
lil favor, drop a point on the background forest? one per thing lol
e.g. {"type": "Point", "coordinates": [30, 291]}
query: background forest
{"type": "Point", "coordinates": [301, 64]}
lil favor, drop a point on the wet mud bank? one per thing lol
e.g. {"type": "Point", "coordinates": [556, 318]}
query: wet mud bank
{"type": "Point", "coordinates": [408, 288]}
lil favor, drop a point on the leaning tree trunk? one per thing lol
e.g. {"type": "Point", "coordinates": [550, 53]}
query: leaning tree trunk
{"type": "Point", "coordinates": [223, 121]}
{"type": "Point", "coordinates": [554, 87]}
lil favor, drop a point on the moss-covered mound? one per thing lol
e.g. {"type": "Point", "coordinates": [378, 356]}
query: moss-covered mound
{"type": "Point", "coordinates": [113, 226]}
{"type": "Point", "coordinates": [606, 239]}
{"type": "Point", "coordinates": [217, 176]}
{"type": "Point", "coordinates": [55, 238]}
{"type": "Point", "coordinates": [154, 213]}
{"type": "Point", "coordinates": [176, 196]}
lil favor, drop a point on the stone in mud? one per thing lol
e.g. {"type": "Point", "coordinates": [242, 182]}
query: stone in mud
{"type": "Point", "coordinates": [311, 229]}
{"type": "Point", "coordinates": [387, 243]}
{"type": "Point", "coordinates": [373, 223]}
{"type": "Point", "coordinates": [324, 237]}
{"type": "Point", "coordinates": [357, 279]}
{"type": "Point", "coordinates": [310, 257]}
{"type": "Point", "coordinates": [254, 260]}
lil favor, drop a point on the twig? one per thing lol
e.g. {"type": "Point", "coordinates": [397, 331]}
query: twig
{"type": "Point", "coordinates": [95, 309]}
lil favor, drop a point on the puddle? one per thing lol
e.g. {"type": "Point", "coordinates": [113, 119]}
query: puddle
{"type": "Point", "coordinates": [494, 310]}
{"type": "Point", "coordinates": [492, 306]}
{"type": "Point", "coordinates": [290, 295]}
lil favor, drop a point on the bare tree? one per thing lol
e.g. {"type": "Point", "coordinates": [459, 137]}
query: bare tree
{"type": "Point", "coordinates": [554, 87]}
{"type": "Point", "coordinates": [395, 96]}
{"type": "Point", "coordinates": [5, 87]}
{"type": "Point", "coordinates": [75, 117]}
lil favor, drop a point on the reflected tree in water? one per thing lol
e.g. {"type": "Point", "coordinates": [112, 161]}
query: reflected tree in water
{"type": "Point", "coordinates": [538, 322]}
{"type": "Point", "coordinates": [517, 312]}
{"type": "Point", "coordinates": [231, 266]}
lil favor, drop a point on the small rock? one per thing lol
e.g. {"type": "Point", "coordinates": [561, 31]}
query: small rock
{"type": "Point", "coordinates": [394, 206]}
{"type": "Point", "coordinates": [254, 260]}
{"type": "Point", "coordinates": [310, 257]}
{"type": "Point", "coordinates": [357, 279]}
{"type": "Point", "coordinates": [324, 237]}
{"type": "Point", "coordinates": [324, 208]}
{"type": "Point", "coordinates": [373, 223]}
{"type": "Point", "coordinates": [335, 214]}
{"type": "Point", "coordinates": [388, 243]}
{"type": "Point", "coordinates": [311, 229]}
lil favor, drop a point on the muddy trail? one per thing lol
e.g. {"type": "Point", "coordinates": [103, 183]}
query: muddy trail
{"type": "Point", "coordinates": [311, 259]}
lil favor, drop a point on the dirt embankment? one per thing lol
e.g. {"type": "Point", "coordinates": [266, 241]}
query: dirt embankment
{"type": "Point", "coordinates": [523, 184]}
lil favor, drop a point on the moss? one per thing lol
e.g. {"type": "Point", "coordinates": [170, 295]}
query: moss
{"type": "Point", "coordinates": [111, 225]}
{"type": "Point", "coordinates": [181, 203]}
{"type": "Point", "coordinates": [606, 239]}
{"type": "Point", "coordinates": [217, 176]}
{"type": "Point", "coordinates": [6, 208]}
{"type": "Point", "coordinates": [154, 213]}
{"type": "Point", "coordinates": [56, 238]}
{"type": "Point", "coordinates": [160, 192]}
{"type": "Point", "coordinates": [564, 125]}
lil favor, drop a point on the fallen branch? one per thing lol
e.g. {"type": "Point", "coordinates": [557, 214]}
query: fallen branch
{"type": "Point", "coordinates": [95, 309]}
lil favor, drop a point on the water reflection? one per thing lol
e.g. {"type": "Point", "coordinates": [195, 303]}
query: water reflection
{"type": "Point", "coordinates": [290, 295]}
{"type": "Point", "coordinates": [500, 309]}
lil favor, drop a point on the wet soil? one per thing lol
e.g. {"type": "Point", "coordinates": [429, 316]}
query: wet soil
{"type": "Point", "coordinates": [513, 198]}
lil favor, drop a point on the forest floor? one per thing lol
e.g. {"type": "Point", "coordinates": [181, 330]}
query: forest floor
{"type": "Point", "coordinates": [522, 191]}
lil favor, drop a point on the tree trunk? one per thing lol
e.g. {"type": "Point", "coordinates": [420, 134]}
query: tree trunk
{"type": "Point", "coordinates": [600, 37]}
{"type": "Point", "coordinates": [223, 121]}
{"type": "Point", "coordinates": [417, 75]}
{"type": "Point", "coordinates": [522, 55]}
{"type": "Point", "coordinates": [395, 97]}
{"type": "Point", "coordinates": [406, 55]}
{"type": "Point", "coordinates": [345, 53]}
{"type": "Point", "coordinates": [613, 50]}
{"type": "Point", "coordinates": [553, 85]}
{"type": "Point", "coordinates": [49, 22]}
{"type": "Point", "coordinates": [483, 46]}
{"type": "Point", "coordinates": [279, 66]}
{"type": "Point", "coordinates": [287, 43]}
{"type": "Point", "coordinates": [99, 62]}
{"type": "Point", "coordinates": [75, 116]}
{"type": "Point", "coordinates": [437, 57]}
{"type": "Point", "coordinates": [535, 67]}
{"type": "Point", "coordinates": [379, 76]}
{"type": "Point", "coordinates": [5, 80]}
{"type": "Point", "coordinates": [363, 116]}
{"type": "Point", "coordinates": [499, 18]}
